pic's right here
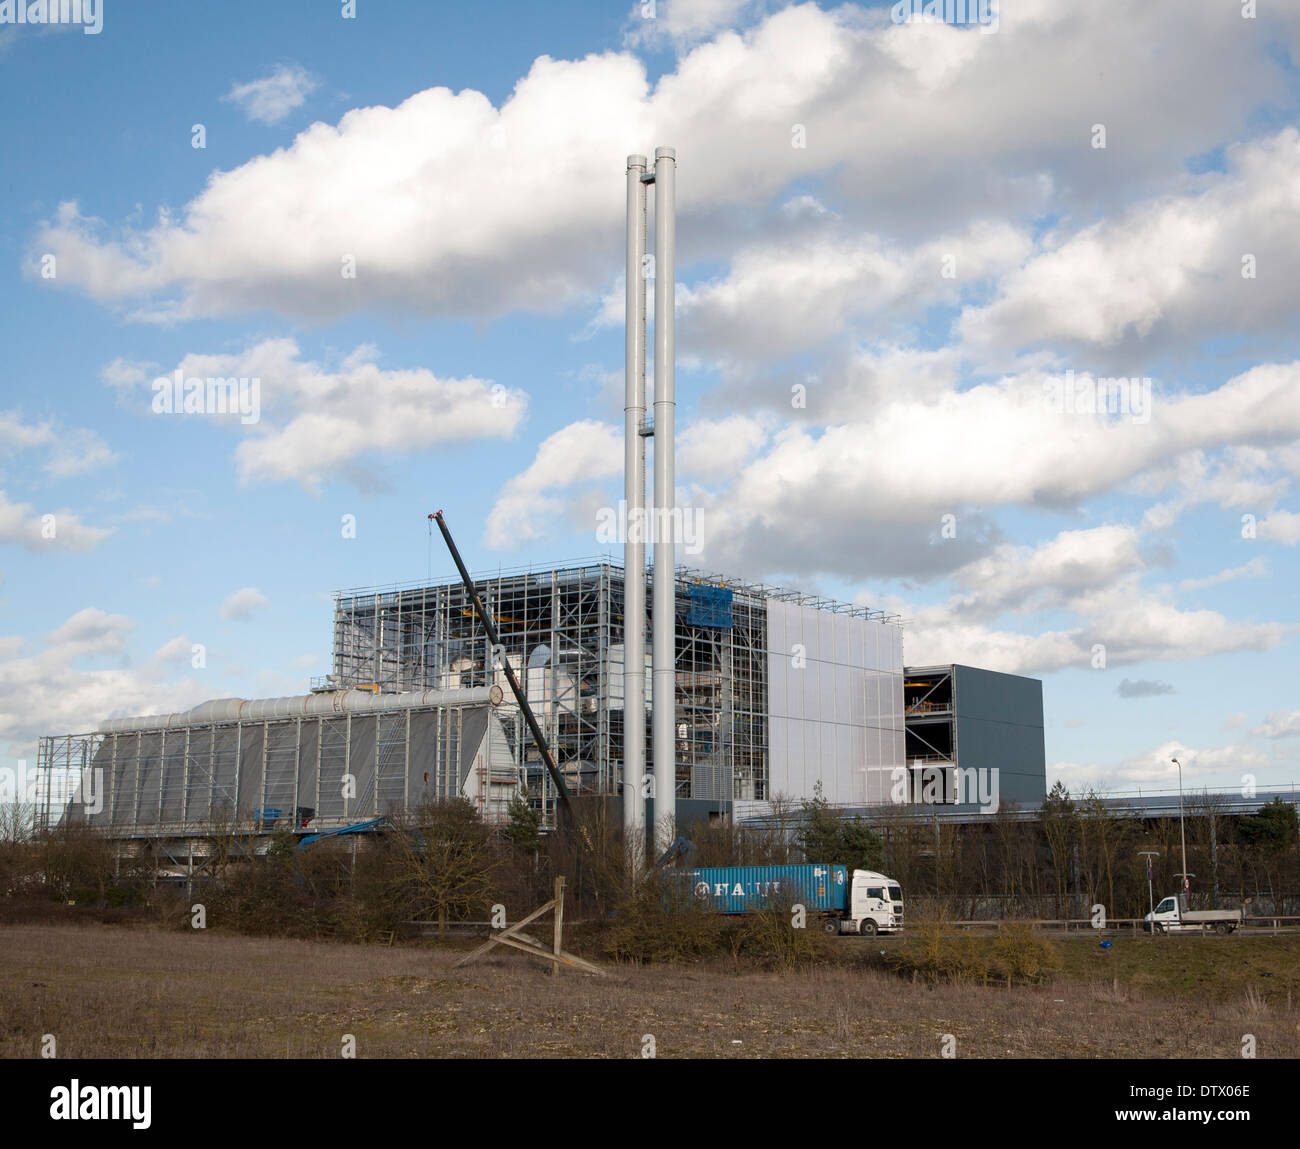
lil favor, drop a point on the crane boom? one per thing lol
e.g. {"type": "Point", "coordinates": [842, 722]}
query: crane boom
{"type": "Point", "coordinates": [490, 629]}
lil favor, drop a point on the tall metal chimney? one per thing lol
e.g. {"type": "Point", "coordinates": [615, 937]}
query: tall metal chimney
{"type": "Point", "coordinates": [664, 626]}
{"type": "Point", "coordinates": [634, 540]}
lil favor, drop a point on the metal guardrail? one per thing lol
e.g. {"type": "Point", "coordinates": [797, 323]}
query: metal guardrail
{"type": "Point", "coordinates": [1116, 925]}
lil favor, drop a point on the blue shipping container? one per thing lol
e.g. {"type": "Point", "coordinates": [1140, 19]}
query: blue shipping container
{"type": "Point", "coordinates": [744, 889]}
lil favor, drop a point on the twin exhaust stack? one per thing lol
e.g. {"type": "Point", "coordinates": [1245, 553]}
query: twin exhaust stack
{"type": "Point", "coordinates": [664, 628]}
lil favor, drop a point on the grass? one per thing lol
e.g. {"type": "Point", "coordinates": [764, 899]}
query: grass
{"type": "Point", "coordinates": [106, 991]}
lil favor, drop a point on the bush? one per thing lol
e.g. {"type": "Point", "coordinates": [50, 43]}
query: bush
{"type": "Point", "coordinates": [1022, 954]}
{"type": "Point", "coordinates": [936, 950]}
{"type": "Point", "coordinates": [769, 939]}
{"type": "Point", "coordinates": [661, 922]}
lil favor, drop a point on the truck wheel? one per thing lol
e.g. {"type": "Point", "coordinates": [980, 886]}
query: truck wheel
{"type": "Point", "coordinates": [867, 927]}
{"type": "Point", "coordinates": [831, 926]}
{"type": "Point", "coordinates": [1223, 929]}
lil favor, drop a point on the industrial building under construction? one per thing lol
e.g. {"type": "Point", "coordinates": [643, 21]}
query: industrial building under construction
{"type": "Point", "coordinates": [776, 692]}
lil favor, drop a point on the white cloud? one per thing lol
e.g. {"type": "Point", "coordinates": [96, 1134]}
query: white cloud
{"type": "Point", "coordinates": [53, 692]}
{"type": "Point", "coordinates": [791, 294]}
{"type": "Point", "coordinates": [319, 423]}
{"type": "Point", "coordinates": [1176, 261]}
{"type": "Point", "coordinates": [91, 631]}
{"type": "Point", "coordinates": [76, 452]}
{"type": "Point", "coordinates": [426, 195]}
{"type": "Point", "coordinates": [1256, 568]}
{"type": "Point", "coordinates": [1281, 527]}
{"type": "Point", "coordinates": [1051, 574]}
{"type": "Point", "coordinates": [240, 606]}
{"type": "Point", "coordinates": [53, 530]}
{"type": "Point", "coordinates": [1279, 724]}
{"type": "Point", "coordinates": [580, 453]}
{"type": "Point", "coordinates": [174, 650]}
{"type": "Point", "coordinates": [993, 444]}
{"type": "Point", "coordinates": [70, 451]}
{"type": "Point", "coordinates": [712, 449]}
{"type": "Point", "coordinates": [15, 433]}
{"type": "Point", "coordinates": [1151, 772]}
{"type": "Point", "coordinates": [270, 99]}
{"type": "Point", "coordinates": [683, 21]}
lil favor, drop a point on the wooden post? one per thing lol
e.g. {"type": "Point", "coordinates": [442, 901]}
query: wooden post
{"type": "Point", "coordinates": [559, 924]}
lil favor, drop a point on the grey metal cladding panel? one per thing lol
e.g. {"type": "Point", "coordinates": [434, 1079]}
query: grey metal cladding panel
{"type": "Point", "coordinates": [307, 765]}
{"type": "Point", "coordinates": [173, 793]}
{"type": "Point", "coordinates": [999, 725]}
{"type": "Point", "coordinates": [361, 764]}
{"type": "Point", "coordinates": [281, 757]}
{"type": "Point", "coordinates": [475, 724]}
{"type": "Point", "coordinates": [250, 769]}
{"type": "Point", "coordinates": [424, 758]}
{"type": "Point", "coordinates": [222, 784]}
{"type": "Point", "coordinates": [995, 697]}
{"type": "Point", "coordinates": [333, 753]}
{"type": "Point", "coordinates": [113, 788]}
{"type": "Point", "coordinates": [150, 767]}
{"type": "Point", "coordinates": [1015, 751]}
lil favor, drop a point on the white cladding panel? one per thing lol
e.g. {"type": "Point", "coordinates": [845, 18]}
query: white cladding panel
{"type": "Point", "coordinates": [835, 701]}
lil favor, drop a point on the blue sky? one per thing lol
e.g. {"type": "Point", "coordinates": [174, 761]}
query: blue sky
{"type": "Point", "coordinates": [913, 221]}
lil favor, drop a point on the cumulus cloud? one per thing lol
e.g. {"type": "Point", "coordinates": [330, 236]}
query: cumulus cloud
{"type": "Point", "coordinates": [270, 99]}
{"type": "Point", "coordinates": [578, 454]}
{"type": "Point", "coordinates": [53, 691]}
{"type": "Point", "coordinates": [426, 195]}
{"type": "Point", "coordinates": [69, 451]}
{"type": "Point", "coordinates": [321, 422]}
{"type": "Point", "coordinates": [1152, 771]}
{"type": "Point", "coordinates": [781, 297]}
{"type": "Point", "coordinates": [990, 445]}
{"type": "Point", "coordinates": [51, 530]}
{"type": "Point", "coordinates": [1187, 263]}
{"type": "Point", "coordinates": [1281, 527]}
{"type": "Point", "coordinates": [1279, 724]}
{"type": "Point", "coordinates": [239, 607]}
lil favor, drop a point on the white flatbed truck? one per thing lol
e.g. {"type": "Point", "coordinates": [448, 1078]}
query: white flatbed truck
{"type": "Point", "coordinates": [1169, 916]}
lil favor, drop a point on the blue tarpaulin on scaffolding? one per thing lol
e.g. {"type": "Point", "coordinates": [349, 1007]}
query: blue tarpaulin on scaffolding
{"type": "Point", "coordinates": [710, 606]}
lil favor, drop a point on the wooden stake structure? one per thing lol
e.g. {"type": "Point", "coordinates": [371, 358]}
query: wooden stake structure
{"type": "Point", "coordinates": [514, 937]}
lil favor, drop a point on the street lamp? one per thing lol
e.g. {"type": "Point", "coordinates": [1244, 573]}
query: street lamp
{"type": "Point", "coordinates": [1182, 831]}
{"type": "Point", "coordinates": [1151, 892]}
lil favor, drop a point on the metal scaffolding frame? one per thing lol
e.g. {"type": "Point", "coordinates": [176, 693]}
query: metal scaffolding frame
{"type": "Point", "coordinates": [561, 629]}
{"type": "Point", "coordinates": [259, 774]}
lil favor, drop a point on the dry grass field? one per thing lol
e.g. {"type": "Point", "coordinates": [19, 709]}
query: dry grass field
{"type": "Point", "coordinates": [112, 992]}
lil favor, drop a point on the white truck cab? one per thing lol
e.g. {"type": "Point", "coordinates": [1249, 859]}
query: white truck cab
{"type": "Point", "coordinates": [875, 904]}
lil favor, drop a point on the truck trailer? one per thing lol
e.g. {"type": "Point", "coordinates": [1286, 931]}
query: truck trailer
{"type": "Point", "coordinates": [1169, 915]}
{"type": "Point", "coordinates": [837, 901]}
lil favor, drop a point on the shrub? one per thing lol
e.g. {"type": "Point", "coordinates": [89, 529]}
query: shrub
{"type": "Point", "coordinates": [936, 950]}
{"type": "Point", "coordinates": [1022, 954]}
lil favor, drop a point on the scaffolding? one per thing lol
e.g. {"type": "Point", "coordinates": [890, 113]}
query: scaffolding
{"type": "Point", "coordinates": [561, 630]}
{"type": "Point", "coordinates": [173, 778]}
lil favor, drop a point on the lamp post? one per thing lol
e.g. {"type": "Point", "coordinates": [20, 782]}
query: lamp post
{"type": "Point", "coordinates": [1151, 891]}
{"type": "Point", "coordinates": [1182, 831]}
